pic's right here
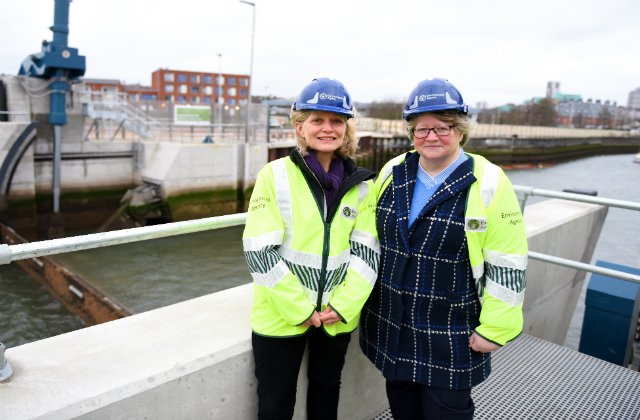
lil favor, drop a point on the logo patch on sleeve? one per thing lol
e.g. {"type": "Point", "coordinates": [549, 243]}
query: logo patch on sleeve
{"type": "Point", "coordinates": [475, 224]}
{"type": "Point", "coordinates": [348, 212]}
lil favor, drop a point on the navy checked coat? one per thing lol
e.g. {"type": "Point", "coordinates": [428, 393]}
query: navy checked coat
{"type": "Point", "coordinates": [424, 307]}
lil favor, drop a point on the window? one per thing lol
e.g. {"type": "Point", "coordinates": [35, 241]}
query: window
{"type": "Point", "coordinates": [242, 102]}
{"type": "Point", "coordinates": [208, 90]}
{"type": "Point", "coordinates": [182, 88]}
{"type": "Point", "coordinates": [195, 78]}
{"type": "Point", "coordinates": [231, 92]}
{"type": "Point", "coordinates": [109, 90]}
{"type": "Point", "coordinates": [168, 88]}
{"type": "Point", "coordinates": [195, 99]}
{"type": "Point", "coordinates": [133, 97]}
{"type": "Point", "coordinates": [182, 78]}
{"type": "Point", "coordinates": [244, 82]}
{"type": "Point", "coordinates": [231, 101]}
{"type": "Point", "coordinates": [221, 100]}
{"type": "Point", "coordinates": [231, 81]}
{"type": "Point", "coordinates": [207, 79]}
{"type": "Point", "coordinates": [206, 100]}
{"type": "Point", "coordinates": [243, 92]}
{"type": "Point", "coordinates": [168, 77]}
{"type": "Point", "coordinates": [220, 81]}
{"type": "Point", "coordinates": [168, 98]}
{"type": "Point", "coordinates": [148, 97]}
{"type": "Point", "coordinates": [217, 91]}
{"type": "Point", "coordinates": [182, 98]}
{"type": "Point", "coordinates": [195, 89]}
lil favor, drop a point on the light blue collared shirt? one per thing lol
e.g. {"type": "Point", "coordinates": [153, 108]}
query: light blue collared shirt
{"type": "Point", "coordinates": [426, 186]}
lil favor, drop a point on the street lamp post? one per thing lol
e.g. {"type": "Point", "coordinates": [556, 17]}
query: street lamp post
{"type": "Point", "coordinates": [218, 95]}
{"type": "Point", "coordinates": [253, 30]}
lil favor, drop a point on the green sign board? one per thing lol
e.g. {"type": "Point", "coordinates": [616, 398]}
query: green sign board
{"type": "Point", "coordinates": [191, 115]}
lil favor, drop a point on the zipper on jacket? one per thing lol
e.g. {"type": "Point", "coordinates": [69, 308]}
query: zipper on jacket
{"type": "Point", "coordinates": [325, 258]}
{"type": "Point", "coordinates": [325, 245]}
{"type": "Point", "coordinates": [324, 214]}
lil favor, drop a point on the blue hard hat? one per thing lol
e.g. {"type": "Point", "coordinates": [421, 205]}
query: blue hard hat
{"type": "Point", "coordinates": [324, 94]}
{"type": "Point", "coordinates": [433, 95]}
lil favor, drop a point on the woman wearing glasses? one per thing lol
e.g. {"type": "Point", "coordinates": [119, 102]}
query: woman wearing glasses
{"type": "Point", "coordinates": [312, 249]}
{"type": "Point", "coordinates": [452, 266]}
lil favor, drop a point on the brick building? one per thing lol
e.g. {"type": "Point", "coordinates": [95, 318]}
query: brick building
{"type": "Point", "coordinates": [200, 88]}
{"type": "Point", "coordinates": [579, 113]}
{"type": "Point", "coordinates": [181, 86]}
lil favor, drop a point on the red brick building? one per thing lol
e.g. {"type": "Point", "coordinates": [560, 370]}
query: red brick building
{"type": "Point", "coordinates": [180, 86]}
{"type": "Point", "coordinates": [199, 87]}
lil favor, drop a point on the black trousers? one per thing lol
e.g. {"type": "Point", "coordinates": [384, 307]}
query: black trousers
{"type": "Point", "coordinates": [414, 401]}
{"type": "Point", "coordinates": [278, 363]}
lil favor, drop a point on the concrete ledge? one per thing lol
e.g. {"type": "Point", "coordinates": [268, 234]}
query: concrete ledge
{"type": "Point", "coordinates": [190, 360]}
{"type": "Point", "coordinates": [193, 360]}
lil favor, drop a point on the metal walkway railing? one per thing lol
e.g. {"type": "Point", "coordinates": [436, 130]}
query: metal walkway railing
{"type": "Point", "coordinates": [9, 253]}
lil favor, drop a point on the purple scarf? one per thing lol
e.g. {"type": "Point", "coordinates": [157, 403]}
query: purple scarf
{"type": "Point", "coordinates": [331, 180]}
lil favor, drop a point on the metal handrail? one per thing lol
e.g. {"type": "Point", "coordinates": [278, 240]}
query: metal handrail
{"type": "Point", "coordinates": [9, 253]}
{"type": "Point", "coordinates": [584, 267]}
{"type": "Point", "coordinates": [523, 192]}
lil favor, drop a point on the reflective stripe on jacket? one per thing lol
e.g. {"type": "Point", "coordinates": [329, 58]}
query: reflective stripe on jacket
{"type": "Point", "coordinates": [303, 256]}
{"type": "Point", "coordinates": [497, 243]}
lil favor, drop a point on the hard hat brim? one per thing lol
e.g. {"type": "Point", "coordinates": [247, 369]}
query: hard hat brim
{"type": "Point", "coordinates": [407, 114]}
{"type": "Point", "coordinates": [348, 113]}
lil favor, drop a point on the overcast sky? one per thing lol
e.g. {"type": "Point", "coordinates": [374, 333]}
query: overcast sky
{"type": "Point", "coordinates": [493, 51]}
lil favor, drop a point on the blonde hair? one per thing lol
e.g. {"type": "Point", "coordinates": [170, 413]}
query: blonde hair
{"type": "Point", "coordinates": [350, 141]}
{"type": "Point", "coordinates": [463, 123]}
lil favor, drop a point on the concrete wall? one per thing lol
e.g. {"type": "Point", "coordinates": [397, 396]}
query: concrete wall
{"type": "Point", "coordinates": [187, 168]}
{"type": "Point", "coordinates": [193, 359]}
{"type": "Point", "coordinates": [86, 174]}
{"type": "Point", "coordinates": [565, 229]}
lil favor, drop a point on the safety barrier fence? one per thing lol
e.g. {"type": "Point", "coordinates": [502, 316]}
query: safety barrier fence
{"type": "Point", "coordinates": [9, 253]}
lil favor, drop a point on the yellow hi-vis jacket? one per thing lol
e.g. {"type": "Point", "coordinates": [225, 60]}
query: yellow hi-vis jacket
{"type": "Point", "coordinates": [497, 243]}
{"type": "Point", "coordinates": [303, 258]}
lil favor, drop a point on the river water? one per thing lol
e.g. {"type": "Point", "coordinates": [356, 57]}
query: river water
{"type": "Point", "coordinates": [160, 272]}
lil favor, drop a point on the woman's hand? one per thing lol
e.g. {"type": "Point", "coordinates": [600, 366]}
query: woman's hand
{"type": "Point", "coordinates": [314, 320]}
{"type": "Point", "coordinates": [481, 345]}
{"type": "Point", "coordinates": [329, 316]}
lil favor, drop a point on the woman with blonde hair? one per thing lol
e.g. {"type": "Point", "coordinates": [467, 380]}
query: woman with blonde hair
{"type": "Point", "coordinates": [311, 245]}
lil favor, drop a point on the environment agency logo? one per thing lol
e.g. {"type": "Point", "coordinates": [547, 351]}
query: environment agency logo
{"type": "Point", "coordinates": [475, 224]}
{"type": "Point", "coordinates": [347, 212]}
{"type": "Point", "coordinates": [323, 96]}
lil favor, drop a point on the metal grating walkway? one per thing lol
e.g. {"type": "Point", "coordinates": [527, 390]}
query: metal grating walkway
{"type": "Point", "coordinates": [535, 379]}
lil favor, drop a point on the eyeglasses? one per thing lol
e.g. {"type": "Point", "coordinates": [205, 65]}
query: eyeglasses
{"type": "Point", "coordinates": [423, 133]}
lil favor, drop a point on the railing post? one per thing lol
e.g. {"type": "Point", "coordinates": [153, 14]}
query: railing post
{"type": "Point", "coordinates": [6, 372]}
{"type": "Point", "coordinates": [522, 195]}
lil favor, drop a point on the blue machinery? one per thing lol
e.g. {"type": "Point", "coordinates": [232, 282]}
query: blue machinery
{"type": "Point", "coordinates": [60, 64]}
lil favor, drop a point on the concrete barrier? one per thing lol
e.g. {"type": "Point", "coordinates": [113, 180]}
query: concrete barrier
{"type": "Point", "coordinates": [193, 360]}
{"type": "Point", "coordinates": [565, 229]}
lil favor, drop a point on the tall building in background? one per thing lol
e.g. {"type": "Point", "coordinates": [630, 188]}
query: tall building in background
{"type": "Point", "coordinates": [552, 89]}
{"type": "Point", "coordinates": [633, 104]}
